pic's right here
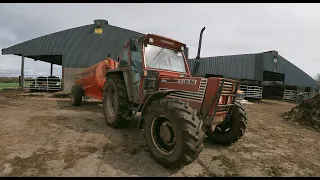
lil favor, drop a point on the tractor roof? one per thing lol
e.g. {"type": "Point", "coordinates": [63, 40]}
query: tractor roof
{"type": "Point", "coordinates": [164, 41]}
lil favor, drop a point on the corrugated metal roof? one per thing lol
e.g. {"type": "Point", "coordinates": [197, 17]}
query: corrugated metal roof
{"type": "Point", "coordinates": [251, 66]}
{"type": "Point", "coordinates": [293, 74]}
{"type": "Point", "coordinates": [80, 47]}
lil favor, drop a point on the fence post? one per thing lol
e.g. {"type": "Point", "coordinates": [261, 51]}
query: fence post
{"type": "Point", "coordinates": [22, 73]}
{"type": "Point", "coordinates": [47, 83]}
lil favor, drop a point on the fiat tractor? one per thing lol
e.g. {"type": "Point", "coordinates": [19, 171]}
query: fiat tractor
{"type": "Point", "coordinates": [176, 109]}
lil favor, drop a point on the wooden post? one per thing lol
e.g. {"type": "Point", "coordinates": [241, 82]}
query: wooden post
{"type": "Point", "coordinates": [51, 69]}
{"type": "Point", "coordinates": [22, 73]}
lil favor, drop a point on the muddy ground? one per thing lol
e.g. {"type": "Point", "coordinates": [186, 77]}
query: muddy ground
{"type": "Point", "coordinates": [48, 137]}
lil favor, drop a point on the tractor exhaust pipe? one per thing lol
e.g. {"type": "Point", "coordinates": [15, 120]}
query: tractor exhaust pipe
{"type": "Point", "coordinates": [197, 62]}
{"type": "Point", "coordinates": [200, 42]}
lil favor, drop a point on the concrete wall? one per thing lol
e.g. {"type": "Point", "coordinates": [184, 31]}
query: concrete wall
{"type": "Point", "coordinates": [312, 93]}
{"type": "Point", "coordinates": [69, 77]}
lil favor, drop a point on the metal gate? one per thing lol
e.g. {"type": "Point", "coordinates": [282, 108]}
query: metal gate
{"type": "Point", "coordinates": [252, 91]}
{"type": "Point", "coordinates": [42, 83]}
{"type": "Point", "coordinates": [294, 96]}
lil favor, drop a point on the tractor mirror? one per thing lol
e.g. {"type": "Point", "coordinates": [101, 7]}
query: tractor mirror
{"type": "Point", "coordinates": [133, 44]}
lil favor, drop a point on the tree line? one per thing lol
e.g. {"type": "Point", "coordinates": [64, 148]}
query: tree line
{"type": "Point", "coordinates": [10, 79]}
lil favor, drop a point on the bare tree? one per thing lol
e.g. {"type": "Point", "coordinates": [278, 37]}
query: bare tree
{"type": "Point", "coordinates": [317, 77]}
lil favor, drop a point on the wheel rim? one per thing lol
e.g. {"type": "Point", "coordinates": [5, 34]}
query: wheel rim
{"type": "Point", "coordinates": [110, 101]}
{"type": "Point", "coordinates": [163, 135]}
{"type": "Point", "coordinates": [225, 126]}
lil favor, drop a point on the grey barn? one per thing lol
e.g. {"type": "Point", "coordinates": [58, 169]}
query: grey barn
{"type": "Point", "coordinates": [78, 48]}
{"type": "Point", "coordinates": [267, 69]}
{"type": "Point", "coordinates": [75, 49]}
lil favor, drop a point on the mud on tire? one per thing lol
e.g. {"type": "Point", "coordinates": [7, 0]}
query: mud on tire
{"type": "Point", "coordinates": [120, 102]}
{"type": "Point", "coordinates": [237, 127]}
{"type": "Point", "coordinates": [186, 125]}
{"type": "Point", "coordinates": [76, 95]}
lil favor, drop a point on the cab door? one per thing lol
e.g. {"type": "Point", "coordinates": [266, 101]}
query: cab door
{"type": "Point", "coordinates": [136, 69]}
{"type": "Point", "coordinates": [130, 63]}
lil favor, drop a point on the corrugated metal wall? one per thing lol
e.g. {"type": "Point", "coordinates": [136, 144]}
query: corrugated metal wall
{"type": "Point", "coordinates": [89, 48]}
{"type": "Point", "coordinates": [251, 66]}
{"type": "Point", "coordinates": [236, 66]}
{"type": "Point", "coordinates": [293, 75]}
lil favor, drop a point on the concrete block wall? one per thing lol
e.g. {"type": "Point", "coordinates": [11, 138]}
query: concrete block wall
{"type": "Point", "coordinates": [69, 77]}
{"type": "Point", "coordinates": [312, 93]}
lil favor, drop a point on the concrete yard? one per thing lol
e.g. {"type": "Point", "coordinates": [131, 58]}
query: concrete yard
{"type": "Point", "coordinates": [48, 137]}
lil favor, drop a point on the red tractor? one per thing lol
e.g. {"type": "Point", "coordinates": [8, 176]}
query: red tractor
{"type": "Point", "coordinates": [177, 110]}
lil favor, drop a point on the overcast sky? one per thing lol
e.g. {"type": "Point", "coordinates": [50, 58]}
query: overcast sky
{"type": "Point", "coordinates": [291, 29]}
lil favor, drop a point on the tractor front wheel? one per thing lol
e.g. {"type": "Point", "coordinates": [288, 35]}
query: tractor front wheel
{"type": "Point", "coordinates": [231, 131]}
{"type": "Point", "coordinates": [115, 101]}
{"type": "Point", "coordinates": [76, 95]}
{"type": "Point", "coordinates": [173, 132]}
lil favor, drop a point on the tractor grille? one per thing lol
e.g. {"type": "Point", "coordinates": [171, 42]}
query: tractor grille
{"type": "Point", "coordinates": [223, 108]}
{"type": "Point", "coordinates": [227, 88]}
{"type": "Point", "coordinates": [189, 95]}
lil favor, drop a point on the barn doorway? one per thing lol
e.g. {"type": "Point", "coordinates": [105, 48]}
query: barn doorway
{"type": "Point", "coordinates": [273, 85]}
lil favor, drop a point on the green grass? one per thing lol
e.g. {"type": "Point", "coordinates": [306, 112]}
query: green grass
{"type": "Point", "coordinates": [8, 85]}
{"type": "Point", "coordinates": [14, 85]}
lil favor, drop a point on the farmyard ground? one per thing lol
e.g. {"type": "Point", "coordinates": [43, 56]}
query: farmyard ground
{"type": "Point", "coordinates": [48, 137]}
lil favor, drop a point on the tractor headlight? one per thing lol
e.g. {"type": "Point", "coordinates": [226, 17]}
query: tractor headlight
{"type": "Point", "coordinates": [182, 48]}
{"type": "Point", "coordinates": [151, 40]}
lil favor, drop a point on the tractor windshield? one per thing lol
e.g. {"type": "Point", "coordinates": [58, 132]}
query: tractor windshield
{"type": "Point", "coordinates": [163, 58]}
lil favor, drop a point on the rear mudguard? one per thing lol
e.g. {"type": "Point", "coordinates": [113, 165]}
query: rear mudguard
{"type": "Point", "coordinates": [153, 96]}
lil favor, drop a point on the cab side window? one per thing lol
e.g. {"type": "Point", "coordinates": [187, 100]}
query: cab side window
{"type": "Point", "coordinates": [136, 58]}
{"type": "Point", "coordinates": [124, 58]}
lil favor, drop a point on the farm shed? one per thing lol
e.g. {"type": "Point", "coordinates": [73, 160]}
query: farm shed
{"type": "Point", "coordinates": [75, 49]}
{"type": "Point", "coordinates": [265, 74]}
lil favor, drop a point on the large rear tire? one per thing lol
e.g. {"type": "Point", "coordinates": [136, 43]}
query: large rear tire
{"type": "Point", "coordinates": [173, 132]}
{"type": "Point", "coordinates": [76, 95]}
{"type": "Point", "coordinates": [229, 132]}
{"type": "Point", "coordinates": [115, 101]}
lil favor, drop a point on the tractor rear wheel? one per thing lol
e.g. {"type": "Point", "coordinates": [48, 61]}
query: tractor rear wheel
{"type": "Point", "coordinates": [173, 132]}
{"type": "Point", "coordinates": [76, 95]}
{"type": "Point", "coordinates": [229, 132]}
{"type": "Point", "coordinates": [115, 101]}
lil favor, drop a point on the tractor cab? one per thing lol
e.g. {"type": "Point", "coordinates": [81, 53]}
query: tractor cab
{"type": "Point", "coordinates": [148, 57]}
{"type": "Point", "coordinates": [165, 55]}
